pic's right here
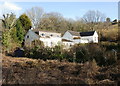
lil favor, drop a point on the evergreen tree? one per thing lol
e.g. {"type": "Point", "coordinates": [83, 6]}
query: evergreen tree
{"type": "Point", "coordinates": [13, 33]}
{"type": "Point", "coordinates": [6, 39]}
{"type": "Point", "coordinates": [25, 21]}
{"type": "Point", "coordinates": [19, 31]}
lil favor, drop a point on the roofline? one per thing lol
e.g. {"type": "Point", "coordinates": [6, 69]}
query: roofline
{"type": "Point", "coordinates": [34, 33]}
{"type": "Point", "coordinates": [73, 31]}
{"type": "Point", "coordinates": [46, 31]}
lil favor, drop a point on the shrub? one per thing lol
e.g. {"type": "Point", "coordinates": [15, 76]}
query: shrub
{"type": "Point", "coordinates": [39, 53]}
{"type": "Point", "coordinates": [45, 53]}
{"type": "Point", "coordinates": [109, 34]}
{"type": "Point", "coordinates": [57, 53]}
{"type": "Point", "coordinates": [37, 43]}
{"type": "Point", "coordinates": [79, 53]}
{"type": "Point", "coordinates": [68, 55]}
{"type": "Point", "coordinates": [111, 57]}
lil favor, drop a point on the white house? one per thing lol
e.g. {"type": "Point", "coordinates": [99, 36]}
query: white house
{"type": "Point", "coordinates": [71, 37]}
{"type": "Point", "coordinates": [49, 39]}
{"type": "Point", "coordinates": [89, 37]}
{"type": "Point", "coordinates": [30, 36]}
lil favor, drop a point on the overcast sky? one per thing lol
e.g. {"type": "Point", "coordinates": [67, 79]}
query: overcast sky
{"type": "Point", "coordinates": [67, 9]}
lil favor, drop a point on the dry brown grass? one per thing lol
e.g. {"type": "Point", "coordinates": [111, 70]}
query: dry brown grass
{"type": "Point", "coordinates": [32, 71]}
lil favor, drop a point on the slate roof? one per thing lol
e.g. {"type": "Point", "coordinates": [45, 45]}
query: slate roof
{"type": "Point", "coordinates": [90, 33]}
{"type": "Point", "coordinates": [74, 33]}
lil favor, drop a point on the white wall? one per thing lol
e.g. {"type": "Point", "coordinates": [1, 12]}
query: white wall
{"type": "Point", "coordinates": [90, 39]}
{"type": "Point", "coordinates": [95, 37]}
{"type": "Point", "coordinates": [87, 39]}
{"type": "Point", "coordinates": [51, 34]}
{"type": "Point", "coordinates": [29, 37]}
{"type": "Point", "coordinates": [54, 38]}
{"type": "Point", "coordinates": [67, 45]}
{"type": "Point", "coordinates": [51, 42]}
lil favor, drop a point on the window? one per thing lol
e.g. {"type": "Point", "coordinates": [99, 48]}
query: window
{"type": "Point", "coordinates": [95, 38]}
{"type": "Point", "coordinates": [37, 33]}
{"type": "Point", "coordinates": [27, 36]}
{"type": "Point", "coordinates": [42, 34]}
{"type": "Point", "coordinates": [51, 35]}
{"type": "Point", "coordinates": [51, 43]}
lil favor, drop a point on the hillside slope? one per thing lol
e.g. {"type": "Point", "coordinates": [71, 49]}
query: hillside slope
{"type": "Point", "coordinates": [31, 71]}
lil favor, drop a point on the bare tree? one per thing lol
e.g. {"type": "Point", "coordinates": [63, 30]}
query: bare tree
{"type": "Point", "coordinates": [51, 21]}
{"type": "Point", "coordinates": [94, 16]}
{"type": "Point", "coordinates": [91, 18]}
{"type": "Point", "coordinates": [35, 14]}
{"type": "Point", "coordinates": [9, 21]}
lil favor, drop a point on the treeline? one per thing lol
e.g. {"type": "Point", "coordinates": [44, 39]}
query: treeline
{"type": "Point", "coordinates": [91, 20]}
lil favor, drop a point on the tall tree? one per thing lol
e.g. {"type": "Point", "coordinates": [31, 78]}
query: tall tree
{"type": "Point", "coordinates": [6, 40]}
{"type": "Point", "coordinates": [13, 33]}
{"type": "Point", "coordinates": [26, 22]}
{"type": "Point", "coordinates": [20, 32]}
{"type": "Point", "coordinates": [35, 14]}
{"type": "Point", "coordinates": [8, 34]}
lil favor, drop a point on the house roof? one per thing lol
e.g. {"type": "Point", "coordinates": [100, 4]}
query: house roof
{"type": "Point", "coordinates": [90, 33]}
{"type": "Point", "coordinates": [35, 33]}
{"type": "Point", "coordinates": [45, 31]}
{"type": "Point", "coordinates": [74, 33]}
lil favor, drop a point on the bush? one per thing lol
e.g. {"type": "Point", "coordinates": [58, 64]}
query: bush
{"type": "Point", "coordinates": [38, 53]}
{"type": "Point", "coordinates": [81, 54]}
{"type": "Point", "coordinates": [45, 53]}
{"type": "Point", "coordinates": [78, 53]}
{"type": "Point", "coordinates": [109, 34]}
{"type": "Point", "coordinates": [36, 43]}
{"type": "Point", "coordinates": [109, 45]}
{"type": "Point", "coordinates": [57, 53]}
{"type": "Point", "coordinates": [88, 52]}
{"type": "Point", "coordinates": [68, 55]}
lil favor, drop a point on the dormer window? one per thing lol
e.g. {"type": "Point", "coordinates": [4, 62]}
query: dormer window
{"type": "Point", "coordinates": [37, 33]}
